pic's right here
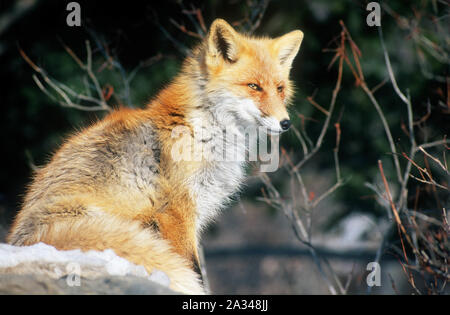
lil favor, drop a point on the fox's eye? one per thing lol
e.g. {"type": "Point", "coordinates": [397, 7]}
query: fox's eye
{"type": "Point", "coordinates": [280, 89]}
{"type": "Point", "coordinates": [255, 86]}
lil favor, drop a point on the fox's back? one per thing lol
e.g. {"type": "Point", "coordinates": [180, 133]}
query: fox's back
{"type": "Point", "coordinates": [112, 166]}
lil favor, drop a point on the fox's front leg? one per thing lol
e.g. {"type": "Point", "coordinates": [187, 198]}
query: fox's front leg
{"type": "Point", "coordinates": [178, 227]}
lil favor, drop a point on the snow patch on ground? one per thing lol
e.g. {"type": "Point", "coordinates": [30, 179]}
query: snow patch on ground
{"type": "Point", "coordinates": [111, 264]}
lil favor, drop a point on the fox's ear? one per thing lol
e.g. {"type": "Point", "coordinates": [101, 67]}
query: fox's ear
{"type": "Point", "coordinates": [287, 47]}
{"type": "Point", "coordinates": [222, 41]}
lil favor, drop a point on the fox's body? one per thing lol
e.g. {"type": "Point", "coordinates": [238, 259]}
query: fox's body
{"type": "Point", "coordinates": [116, 184]}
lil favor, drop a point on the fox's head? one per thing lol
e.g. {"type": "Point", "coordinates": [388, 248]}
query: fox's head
{"type": "Point", "coordinates": [248, 77]}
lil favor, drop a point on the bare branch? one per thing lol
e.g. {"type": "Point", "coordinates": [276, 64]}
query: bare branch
{"type": "Point", "coordinates": [65, 93]}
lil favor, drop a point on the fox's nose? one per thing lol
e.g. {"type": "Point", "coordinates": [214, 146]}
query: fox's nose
{"type": "Point", "coordinates": [285, 124]}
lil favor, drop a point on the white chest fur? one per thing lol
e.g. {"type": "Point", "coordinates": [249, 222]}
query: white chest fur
{"type": "Point", "coordinates": [222, 168]}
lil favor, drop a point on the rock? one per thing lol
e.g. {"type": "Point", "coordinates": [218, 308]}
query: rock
{"type": "Point", "coordinates": [43, 285]}
{"type": "Point", "coordinates": [42, 269]}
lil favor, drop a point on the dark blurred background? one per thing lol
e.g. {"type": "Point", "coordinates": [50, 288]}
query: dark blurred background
{"type": "Point", "coordinates": [252, 248]}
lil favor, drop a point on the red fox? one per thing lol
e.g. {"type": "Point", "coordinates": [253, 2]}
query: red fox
{"type": "Point", "coordinates": [115, 185]}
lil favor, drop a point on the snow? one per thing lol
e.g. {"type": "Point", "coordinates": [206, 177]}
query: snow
{"type": "Point", "coordinates": [11, 256]}
{"type": "Point", "coordinates": [355, 226]}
